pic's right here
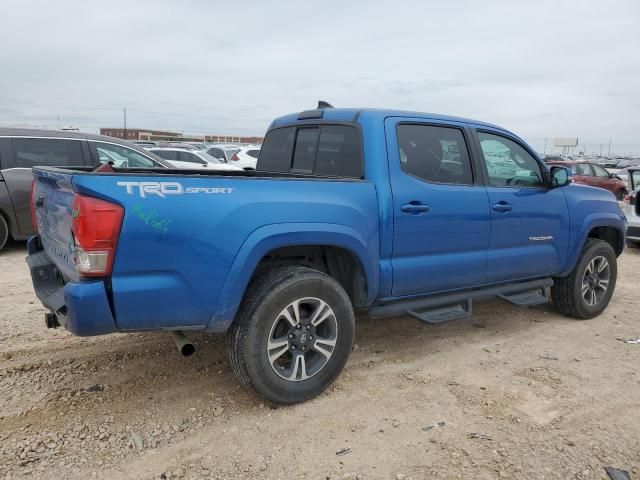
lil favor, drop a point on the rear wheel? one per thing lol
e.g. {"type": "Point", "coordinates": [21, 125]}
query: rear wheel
{"type": "Point", "coordinates": [293, 334]}
{"type": "Point", "coordinates": [620, 194]}
{"type": "Point", "coordinates": [4, 232]}
{"type": "Point", "coordinates": [586, 292]}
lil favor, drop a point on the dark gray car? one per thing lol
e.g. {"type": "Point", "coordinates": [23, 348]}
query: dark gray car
{"type": "Point", "coordinates": [21, 149]}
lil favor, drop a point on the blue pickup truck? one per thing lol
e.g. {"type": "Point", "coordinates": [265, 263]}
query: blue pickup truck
{"type": "Point", "coordinates": [350, 210]}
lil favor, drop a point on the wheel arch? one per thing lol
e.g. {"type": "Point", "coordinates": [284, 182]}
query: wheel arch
{"type": "Point", "coordinates": [609, 228]}
{"type": "Point", "coordinates": [300, 243]}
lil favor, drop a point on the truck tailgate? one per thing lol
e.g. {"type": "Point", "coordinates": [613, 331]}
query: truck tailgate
{"type": "Point", "coordinates": [52, 200]}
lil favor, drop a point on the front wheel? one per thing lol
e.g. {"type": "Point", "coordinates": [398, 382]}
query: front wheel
{"type": "Point", "coordinates": [586, 292]}
{"type": "Point", "coordinates": [293, 334]}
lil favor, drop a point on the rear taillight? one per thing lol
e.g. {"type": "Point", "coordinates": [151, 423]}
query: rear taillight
{"type": "Point", "coordinates": [32, 206]}
{"type": "Point", "coordinates": [95, 225]}
{"type": "Point", "coordinates": [235, 157]}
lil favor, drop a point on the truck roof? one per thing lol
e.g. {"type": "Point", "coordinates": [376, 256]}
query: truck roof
{"type": "Point", "coordinates": [352, 114]}
{"type": "Point", "coordinates": [45, 133]}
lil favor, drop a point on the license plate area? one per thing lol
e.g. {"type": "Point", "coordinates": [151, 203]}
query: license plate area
{"type": "Point", "coordinates": [47, 280]}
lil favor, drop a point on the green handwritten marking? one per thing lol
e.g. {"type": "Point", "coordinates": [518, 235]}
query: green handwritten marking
{"type": "Point", "coordinates": [151, 218]}
{"type": "Point", "coordinates": [75, 213]}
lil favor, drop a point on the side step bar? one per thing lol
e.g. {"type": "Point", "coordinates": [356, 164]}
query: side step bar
{"type": "Point", "coordinates": [454, 306]}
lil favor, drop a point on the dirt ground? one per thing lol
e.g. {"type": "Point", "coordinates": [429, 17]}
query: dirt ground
{"type": "Point", "coordinates": [513, 393]}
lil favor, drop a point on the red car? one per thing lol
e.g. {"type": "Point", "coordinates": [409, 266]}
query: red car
{"type": "Point", "coordinates": [588, 173]}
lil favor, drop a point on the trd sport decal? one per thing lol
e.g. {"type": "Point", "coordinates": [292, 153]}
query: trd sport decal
{"type": "Point", "coordinates": [162, 189]}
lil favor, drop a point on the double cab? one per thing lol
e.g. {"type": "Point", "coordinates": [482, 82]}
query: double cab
{"type": "Point", "coordinates": [382, 212]}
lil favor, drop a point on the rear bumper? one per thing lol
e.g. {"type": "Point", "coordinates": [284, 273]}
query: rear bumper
{"type": "Point", "coordinates": [633, 222]}
{"type": "Point", "coordinates": [81, 307]}
{"type": "Point", "coordinates": [633, 227]}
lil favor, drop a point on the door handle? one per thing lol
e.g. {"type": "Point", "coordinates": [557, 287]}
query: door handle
{"type": "Point", "coordinates": [415, 207]}
{"type": "Point", "coordinates": [502, 207]}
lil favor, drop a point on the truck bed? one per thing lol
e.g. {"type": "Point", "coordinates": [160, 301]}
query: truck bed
{"type": "Point", "coordinates": [189, 239]}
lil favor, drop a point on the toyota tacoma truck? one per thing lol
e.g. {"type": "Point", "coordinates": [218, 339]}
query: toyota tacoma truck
{"type": "Point", "coordinates": [372, 211]}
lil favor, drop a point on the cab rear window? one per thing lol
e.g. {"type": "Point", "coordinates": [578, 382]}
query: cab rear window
{"type": "Point", "coordinates": [331, 150]}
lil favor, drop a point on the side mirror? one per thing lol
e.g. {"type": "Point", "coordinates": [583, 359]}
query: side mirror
{"type": "Point", "coordinates": [559, 177]}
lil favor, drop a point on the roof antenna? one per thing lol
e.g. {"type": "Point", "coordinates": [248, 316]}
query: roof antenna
{"type": "Point", "coordinates": [322, 104]}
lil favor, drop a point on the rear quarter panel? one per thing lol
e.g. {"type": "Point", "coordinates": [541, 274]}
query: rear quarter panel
{"type": "Point", "coordinates": [184, 260]}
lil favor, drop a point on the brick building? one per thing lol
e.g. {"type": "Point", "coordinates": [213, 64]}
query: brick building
{"type": "Point", "coordinates": [147, 134]}
{"type": "Point", "coordinates": [232, 139]}
{"type": "Point", "coordinates": [139, 133]}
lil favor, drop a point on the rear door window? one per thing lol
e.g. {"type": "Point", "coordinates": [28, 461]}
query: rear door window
{"type": "Point", "coordinates": [600, 172]}
{"type": "Point", "coordinates": [53, 152]}
{"type": "Point", "coordinates": [189, 157]}
{"type": "Point", "coordinates": [217, 153]}
{"type": "Point", "coordinates": [166, 154]}
{"type": "Point", "coordinates": [434, 154]}
{"type": "Point", "coordinates": [584, 170]}
{"type": "Point", "coordinates": [123, 157]}
{"type": "Point", "coordinates": [253, 153]}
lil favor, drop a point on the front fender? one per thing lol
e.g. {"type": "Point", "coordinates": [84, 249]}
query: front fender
{"type": "Point", "coordinates": [591, 221]}
{"type": "Point", "coordinates": [269, 237]}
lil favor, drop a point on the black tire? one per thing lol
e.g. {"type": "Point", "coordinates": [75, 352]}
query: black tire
{"type": "Point", "coordinates": [258, 318]}
{"type": "Point", "coordinates": [567, 293]}
{"type": "Point", "coordinates": [4, 232]}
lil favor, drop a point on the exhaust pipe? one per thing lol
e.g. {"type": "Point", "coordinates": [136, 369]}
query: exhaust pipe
{"type": "Point", "coordinates": [185, 347]}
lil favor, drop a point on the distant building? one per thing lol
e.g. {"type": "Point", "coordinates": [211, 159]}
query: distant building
{"type": "Point", "coordinates": [146, 134]}
{"type": "Point", "coordinates": [139, 134]}
{"type": "Point", "coordinates": [232, 139]}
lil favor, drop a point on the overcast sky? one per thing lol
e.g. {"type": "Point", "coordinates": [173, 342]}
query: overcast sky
{"type": "Point", "coordinates": [544, 69]}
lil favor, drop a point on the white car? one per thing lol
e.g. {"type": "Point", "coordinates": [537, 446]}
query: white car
{"type": "Point", "coordinates": [631, 207]}
{"type": "Point", "coordinates": [223, 152]}
{"type": "Point", "coordinates": [246, 157]}
{"type": "Point", "coordinates": [243, 156]}
{"type": "Point", "coordinates": [190, 159]}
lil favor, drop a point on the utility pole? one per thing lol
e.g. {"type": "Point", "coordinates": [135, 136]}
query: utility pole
{"type": "Point", "coordinates": [125, 123]}
{"type": "Point", "coordinates": [544, 152]}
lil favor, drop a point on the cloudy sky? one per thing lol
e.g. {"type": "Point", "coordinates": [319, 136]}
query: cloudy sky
{"type": "Point", "coordinates": [540, 68]}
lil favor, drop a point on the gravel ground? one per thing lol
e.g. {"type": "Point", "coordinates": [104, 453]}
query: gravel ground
{"type": "Point", "coordinates": [513, 393]}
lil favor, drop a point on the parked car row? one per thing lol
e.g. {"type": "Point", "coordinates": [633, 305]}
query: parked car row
{"type": "Point", "coordinates": [22, 149]}
{"type": "Point", "coordinates": [242, 156]}
{"type": "Point", "coordinates": [184, 158]}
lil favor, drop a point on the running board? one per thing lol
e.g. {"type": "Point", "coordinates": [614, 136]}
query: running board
{"type": "Point", "coordinates": [528, 298]}
{"type": "Point", "coordinates": [444, 314]}
{"type": "Point", "coordinates": [453, 306]}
